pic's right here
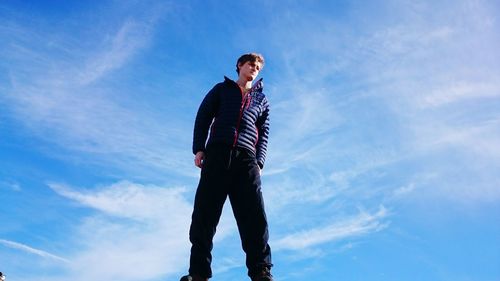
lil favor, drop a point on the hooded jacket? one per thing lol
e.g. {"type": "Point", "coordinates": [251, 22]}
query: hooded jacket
{"type": "Point", "coordinates": [234, 120]}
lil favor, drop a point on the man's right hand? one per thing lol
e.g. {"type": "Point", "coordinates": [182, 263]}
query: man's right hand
{"type": "Point", "coordinates": [198, 159]}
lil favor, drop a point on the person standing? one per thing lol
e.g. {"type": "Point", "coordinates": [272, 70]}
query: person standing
{"type": "Point", "coordinates": [236, 114]}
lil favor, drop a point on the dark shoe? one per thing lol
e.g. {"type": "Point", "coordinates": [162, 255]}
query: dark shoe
{"type": "Point", "coordinates": [263, 275]}
{"type": "Point", "coordinates": [193, 278]}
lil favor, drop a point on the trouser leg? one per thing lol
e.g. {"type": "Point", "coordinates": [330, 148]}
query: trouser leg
{"type": "Point", "coordinates": [209, 201]}
{"type": "Point", "coordinates": [248, 207]}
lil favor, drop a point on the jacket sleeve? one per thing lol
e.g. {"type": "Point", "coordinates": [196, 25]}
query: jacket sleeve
{"type": "Point", "coordinates": [263, 129]}
{"type": "Point", "coordinates": [204, 118]}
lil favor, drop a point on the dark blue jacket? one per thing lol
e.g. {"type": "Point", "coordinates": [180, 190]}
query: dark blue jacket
{"type": "Point", "coordinates": [234, 120]}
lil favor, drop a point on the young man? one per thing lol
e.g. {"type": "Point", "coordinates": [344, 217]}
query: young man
{"type": "Point", "coordinates": [231, 161]}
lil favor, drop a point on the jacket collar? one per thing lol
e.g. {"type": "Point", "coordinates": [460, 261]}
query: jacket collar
{"type": "Point", "coordinates": [257, 85]}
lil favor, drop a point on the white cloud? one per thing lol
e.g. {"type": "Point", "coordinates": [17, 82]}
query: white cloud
{"type": "Point", "coordinates": [460, 91]}
{"type": "Point", "coordinates": [65, 102]}
{"type": "Point", "coordinates": [404, 190]}
{"type": "Point", "coordinates": [130, 38]}
{"type": "Point", "coordinates": [13, 186]}
{"type": "Point", "coordinates": [125, 199]}
{"type": "Point", "coordinates": [362, 224]}
{"type": "Point", "coordinates": [306, 112]}
{"type": "Point", "coordinates": [227, 264]}
{"type": "Point", "coordinates": [31, 250]}
{"type": "Point", "coordinates": [144, 228]}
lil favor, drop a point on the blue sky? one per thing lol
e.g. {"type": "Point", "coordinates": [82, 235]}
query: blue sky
{"type": "Point", "coordinates": [383, 155]}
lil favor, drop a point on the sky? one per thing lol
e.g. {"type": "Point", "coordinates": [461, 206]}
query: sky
{"type": "Point", "coordinates": [383, 155]}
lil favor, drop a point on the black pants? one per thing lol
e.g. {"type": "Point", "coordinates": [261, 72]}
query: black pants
{"type": "Point", "coordinates": [233, 173]}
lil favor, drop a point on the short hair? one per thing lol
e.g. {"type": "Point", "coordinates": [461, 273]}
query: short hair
{"type": "Point", "coordinates": [253, 57]}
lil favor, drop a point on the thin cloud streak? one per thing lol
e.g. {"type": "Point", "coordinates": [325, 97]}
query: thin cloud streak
{"type": "Point", "coordinates": [130, 38]}
{"type": "Point", "coordinates": [461, 91]}
{"type": "Point", "coordinates": [11, 186]}
{"type": "Point", "coordinates": [360, 225]}
{"type": "Point", "coordinates": [125, 199]}
{"type": "Point", "coordinates": [31, 250]}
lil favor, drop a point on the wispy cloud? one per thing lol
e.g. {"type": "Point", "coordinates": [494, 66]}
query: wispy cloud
{"type": "Point", "coordinates": [136, 226]}
{"type": "Point", "coordinates": [13, 186]}
{"type": "Point", "coordinates": [67, 101]}
{"type": "Point", "coordinates": [409, 91]}
{"type": "Point", "coordinates": [461, 91]}
{"type": "Point", "coordinates": [130, 38]}
{"type": "Point", "coordinates": [364, 223]}
{"type": "Point", "coordinates": [371, 109]}
{"type": "Point", "coordinates": [125, 199]}
{"type": "Point", "coordinates": [31, 250]}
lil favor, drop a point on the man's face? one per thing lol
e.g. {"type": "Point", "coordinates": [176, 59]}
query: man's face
{"type": "Point", "coordinates": [250, 69]}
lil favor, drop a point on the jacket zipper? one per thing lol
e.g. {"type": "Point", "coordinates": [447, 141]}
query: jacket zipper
{"type": "Point", "coordinates": [243, 101]}
{"type": "Point", "coordinates": [243, 104]}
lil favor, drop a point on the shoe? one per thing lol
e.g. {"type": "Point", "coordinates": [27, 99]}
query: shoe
{"type": "Point", "coordinates": [263, 275]}
{"type": "Point", "coordinates": [193, 278]}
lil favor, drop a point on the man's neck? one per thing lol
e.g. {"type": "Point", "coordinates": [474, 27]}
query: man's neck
{"type": "Point", "coordinates": [244, 84]}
